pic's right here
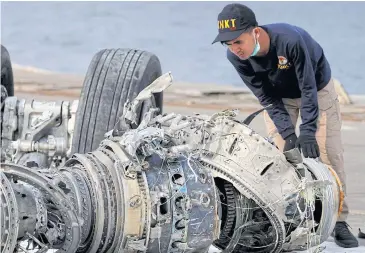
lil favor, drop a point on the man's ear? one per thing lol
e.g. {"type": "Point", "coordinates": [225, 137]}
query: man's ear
{"type": "Point", "coordinates": [257, 32]}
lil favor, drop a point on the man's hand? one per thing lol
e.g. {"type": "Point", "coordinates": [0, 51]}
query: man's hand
{"type": "Point", "coordinates": [290, 142]}
{"type": "Point", "coordinates": [308, 145]}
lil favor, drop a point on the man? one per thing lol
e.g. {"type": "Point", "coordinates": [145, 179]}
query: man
{"type": "Point", "coordinates": [285, 67]}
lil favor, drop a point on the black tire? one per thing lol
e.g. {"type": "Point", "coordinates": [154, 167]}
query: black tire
{"type": "Point", "coordinates": [113, 76]}
{"type": "Point", "coordinates": [7, 72]}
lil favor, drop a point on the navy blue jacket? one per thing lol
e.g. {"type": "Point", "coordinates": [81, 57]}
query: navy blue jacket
{"type": "Point", "coordinates": [295, 67]}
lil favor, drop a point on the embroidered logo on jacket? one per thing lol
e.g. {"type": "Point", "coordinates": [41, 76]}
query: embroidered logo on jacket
{"type": "Point", "coordinates": [283, 63]}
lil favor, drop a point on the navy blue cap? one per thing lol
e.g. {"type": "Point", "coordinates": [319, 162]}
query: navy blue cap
{"type": "Point", "coordinates": [234, 20]}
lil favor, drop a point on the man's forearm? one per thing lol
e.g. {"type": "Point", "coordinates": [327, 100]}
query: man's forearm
{"type": "Point", "coordinates": [309, 113]}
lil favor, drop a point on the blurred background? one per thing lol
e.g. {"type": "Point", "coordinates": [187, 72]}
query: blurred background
{"type": "Point", "coordinates": [64, 36]}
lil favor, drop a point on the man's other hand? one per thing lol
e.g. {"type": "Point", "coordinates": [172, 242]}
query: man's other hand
{"type": "Point", "coordinates": [308, 145]}
{"type": "Point", "coordinates": [290, 142]}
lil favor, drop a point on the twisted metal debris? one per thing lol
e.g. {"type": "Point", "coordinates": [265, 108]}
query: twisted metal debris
{"type": "Point", "coordinates": [175, 183]}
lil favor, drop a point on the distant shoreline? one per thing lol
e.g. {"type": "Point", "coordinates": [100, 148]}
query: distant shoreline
{"type": "Point", "coordinates": [32, 69]}
{"type": "Point", "coordinates": [39, 82]}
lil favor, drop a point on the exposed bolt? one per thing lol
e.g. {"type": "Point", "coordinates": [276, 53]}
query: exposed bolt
{"type": "Point", "coordinates": [145, 165]}
{"type": "Point", "coordinates": [134, 201]}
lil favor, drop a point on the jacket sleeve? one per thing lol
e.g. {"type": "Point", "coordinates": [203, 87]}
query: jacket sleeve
{"type": "Point", "coordinates": [307, 85]}
{"type": "Point", "coordinates": [277, 111]}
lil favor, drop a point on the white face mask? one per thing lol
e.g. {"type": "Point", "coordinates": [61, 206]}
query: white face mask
{"type": "Point", "coordinates": [257, 46]}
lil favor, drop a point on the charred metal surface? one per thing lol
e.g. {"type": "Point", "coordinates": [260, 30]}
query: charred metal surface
{"type": "Point", "coordinates": [174, 183]}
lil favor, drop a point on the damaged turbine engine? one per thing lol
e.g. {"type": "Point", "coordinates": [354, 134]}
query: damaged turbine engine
{"type": "Point", "coordinates": [173, 183]}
